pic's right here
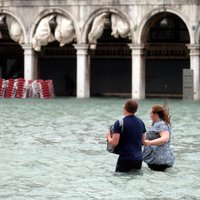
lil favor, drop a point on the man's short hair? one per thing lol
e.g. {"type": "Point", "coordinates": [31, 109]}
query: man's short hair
{"type": "Point", "coordinates": [131, 106]}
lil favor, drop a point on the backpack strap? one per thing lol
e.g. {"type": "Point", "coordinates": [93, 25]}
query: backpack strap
{"type": "Point", "coordinates": [121, 124]}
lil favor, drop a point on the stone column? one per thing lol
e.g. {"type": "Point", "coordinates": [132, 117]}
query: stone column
{"type": "Point", "coordinates": [138, 71]}
{"type": "Point", "coordinates": [30, 63]}
{"type": "Point", "coordinates": [83, 71]}
{"type": "Point", "coordinates": [195, 66]}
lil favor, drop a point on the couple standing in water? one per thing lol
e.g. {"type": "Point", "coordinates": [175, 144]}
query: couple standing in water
{"type": "Point", "coordinates": [131, 135]}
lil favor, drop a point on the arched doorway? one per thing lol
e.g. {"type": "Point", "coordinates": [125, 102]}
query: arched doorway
{"type": "Point", "coordinates": [59, 64]}
{"type": "Point", "coordinates": [110, 62]}
{"type": "Point", "coordinates": [56, 54]}
{"type": "Point", "coordinates": [166, 55]}
{"type": "Point", "coordinates": [11, 53]}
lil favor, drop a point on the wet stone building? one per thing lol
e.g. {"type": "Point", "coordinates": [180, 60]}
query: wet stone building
{"type": "Point", "coordinates": [137, 48]}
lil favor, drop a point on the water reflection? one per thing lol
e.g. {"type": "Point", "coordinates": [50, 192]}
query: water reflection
{"type": "Point", "coordinates": [55, 149]}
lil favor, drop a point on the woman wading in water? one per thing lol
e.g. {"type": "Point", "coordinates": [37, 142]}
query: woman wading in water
{"type": "Point", "coordinates": [157, 151]}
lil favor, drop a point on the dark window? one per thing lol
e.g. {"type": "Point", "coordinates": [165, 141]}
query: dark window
{"type": "Point", "coordinates": [169, 29]}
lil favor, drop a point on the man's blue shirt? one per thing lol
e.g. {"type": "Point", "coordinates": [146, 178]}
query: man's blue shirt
{"type": "Point", "coordinates": [130, 143]}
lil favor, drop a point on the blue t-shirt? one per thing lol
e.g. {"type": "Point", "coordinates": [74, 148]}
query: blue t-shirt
{"type": "Point", "coordinates": [130, 142]}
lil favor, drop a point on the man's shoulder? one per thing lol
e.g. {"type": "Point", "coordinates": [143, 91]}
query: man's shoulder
{"type": "Point", "coordinates": [137, 119]}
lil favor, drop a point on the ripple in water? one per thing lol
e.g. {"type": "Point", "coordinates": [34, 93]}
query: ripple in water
{"type": "Point", "coordinates": [55, 149]}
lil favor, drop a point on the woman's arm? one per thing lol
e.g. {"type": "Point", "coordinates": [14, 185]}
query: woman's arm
{"type": "Point", "coordinates": [164, 138]}
{"type": "Point", "coordinates": [143, 138]}
{"type": "Point", "coordinates": [114, 140]}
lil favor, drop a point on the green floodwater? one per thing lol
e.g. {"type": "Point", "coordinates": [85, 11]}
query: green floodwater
{"type": "Point", "coordinates": [55, 150]}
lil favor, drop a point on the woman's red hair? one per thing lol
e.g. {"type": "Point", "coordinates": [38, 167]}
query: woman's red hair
{"type": "Point", "coordinates": [162, 112]}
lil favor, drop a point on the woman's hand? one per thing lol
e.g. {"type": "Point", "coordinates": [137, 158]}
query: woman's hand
{"type": "Point", "coordinates": [163, 139]}
{"type": "Point", "coordinates": [147, 143]}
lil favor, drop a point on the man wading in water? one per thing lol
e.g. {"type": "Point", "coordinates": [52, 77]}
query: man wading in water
{"type": "Point", "coordinates": [128, 141]}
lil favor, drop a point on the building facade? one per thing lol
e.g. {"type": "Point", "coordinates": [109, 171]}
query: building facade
{"type": "Point", "coordinates": [135, 48]}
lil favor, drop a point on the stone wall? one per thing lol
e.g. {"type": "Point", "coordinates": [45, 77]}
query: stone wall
{"type": "Point", "coordinates": [82, 12]}
{"type": "Point", "coordinates": [85, 19]}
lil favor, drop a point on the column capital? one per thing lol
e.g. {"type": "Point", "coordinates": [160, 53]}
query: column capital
{"type": "Point", "coordinates": [137, 49]}
{"type": "Point", "coordinates": [27, 46]}
{"type": "Point", "coordinates": [136, 46]}
{"type": "Point", "coordinates": [193, 46]}
{"type": "Point", "coordinates": [82, 49]}
{"type": "Point", "coordinates": [81, 46]}
{"type": "Point", "coordinates": [194, 49]}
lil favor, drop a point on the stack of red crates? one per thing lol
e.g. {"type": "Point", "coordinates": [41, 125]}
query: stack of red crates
{"type": "Point", "coordinates": [51, 88]}
{"type": "Point", "coordinates": [44, 89]}
{"type": "Point", "coordinates": [29, 89]}
{"type": "Point", "coordinates": [10, 89]}
{"type": "Point", "coordinates": [21, 88]}
{"type": "Point", "coordinates": [2, 87]}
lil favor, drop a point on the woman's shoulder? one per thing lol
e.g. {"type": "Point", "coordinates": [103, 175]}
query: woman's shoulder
{"type": "Point", "coordinates": [160, 123]}
{"type": "Point", "coordinates": [161, 126]}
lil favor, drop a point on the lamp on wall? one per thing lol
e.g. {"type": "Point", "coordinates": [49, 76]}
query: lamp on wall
{"type": "Point", "coordinates": [107, 23]}
{"type": "Point", "coordinates": [164, 22]}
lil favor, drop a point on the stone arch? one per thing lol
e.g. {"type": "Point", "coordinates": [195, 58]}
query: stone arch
{"type": "Point", "coordinates": [87, 25]}
{"type": "Point", "coordinates": [19, 20]}
{"type": "Point", "coordinates": [163, 66]}
{"type": "Point", "coordinates": [59, 73]}
{"type": "Point", "coordinates": [108, 31]}
{"type": "Point", "coordinates": [47, 12]}
{"type": "Point", "coordinates": [142, 31]}
{"type": "Point", "coordinates": [197, 34]}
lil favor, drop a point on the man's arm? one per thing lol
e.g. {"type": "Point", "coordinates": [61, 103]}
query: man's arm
{"type": "Point", "coordinates": [114, 140]}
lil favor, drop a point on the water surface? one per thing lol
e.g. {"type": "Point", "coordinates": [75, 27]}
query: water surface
{"type": "Point", "coordinates": [55, 149]}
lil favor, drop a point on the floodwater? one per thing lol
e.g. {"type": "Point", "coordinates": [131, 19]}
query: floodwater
{"type": "Point", "coordinates": [55, 150]}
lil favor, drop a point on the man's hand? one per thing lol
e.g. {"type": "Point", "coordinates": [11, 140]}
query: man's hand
{"type": "Point", "coordinates": [108, 136]}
